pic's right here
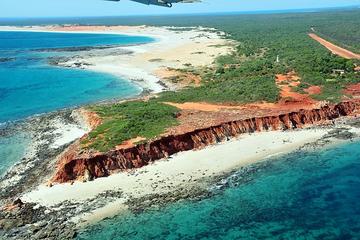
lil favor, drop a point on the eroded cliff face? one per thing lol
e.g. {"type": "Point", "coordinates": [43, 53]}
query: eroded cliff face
{"type": "Point", "coordinates": [75, 166]}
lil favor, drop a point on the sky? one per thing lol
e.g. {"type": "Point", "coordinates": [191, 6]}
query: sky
{"type": "Point", "coordinates": [75, 8]}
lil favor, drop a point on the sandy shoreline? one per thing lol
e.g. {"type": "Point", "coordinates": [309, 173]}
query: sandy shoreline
{"type": "Point", "coordinates": [147, 64]}
{"type": "Point", "coordinates": [134, 67]}
{"type": "Point", "coordinates": [183, 169]}
{"type": "Point", "coordinates": [186, 175]}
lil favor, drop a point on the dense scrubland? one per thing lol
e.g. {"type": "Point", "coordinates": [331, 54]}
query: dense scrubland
{"type": "Point", "coordinates": [342, 30]}
{"type": "Point", "coordinates": [248, 74]}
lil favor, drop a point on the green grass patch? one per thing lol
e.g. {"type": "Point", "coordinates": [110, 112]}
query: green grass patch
{"type": "Point", "coordinates": [332, 92]}
{"type": "Point", "coordinates": [234, 90]}
{"type": "Point", "coordinates": [129, 120]}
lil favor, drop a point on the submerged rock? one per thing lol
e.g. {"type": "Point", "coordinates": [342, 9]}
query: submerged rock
{"type": "Point", "coordinates": [6, 59]}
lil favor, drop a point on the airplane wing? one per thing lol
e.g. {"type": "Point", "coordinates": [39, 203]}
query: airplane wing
{"type": "Point", "coordinates": [162, 3]}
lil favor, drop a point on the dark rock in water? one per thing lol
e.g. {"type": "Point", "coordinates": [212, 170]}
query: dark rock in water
{"type": "Point", "coordinates": [74, 49]}
{"type": "Point", "coordinates": [340, 133]}
{"type": "Point", "coordinates": [345, 135]}
{"type": "Point", "coordinates": [6, 59]}
{"type": "Point", "coordinates": [18, 202]}
{"type": "Point", "coordinates": [30, 222]}
{"type": "Point", "coordinates": [7, 224]}
{"type": "Point", "coordinates": [41, 128]}
{"type": "Point", "coordinates": [355, 124]}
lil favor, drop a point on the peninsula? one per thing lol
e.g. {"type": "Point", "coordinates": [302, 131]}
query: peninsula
{"type": "Point", "coordinates": [214, 99]}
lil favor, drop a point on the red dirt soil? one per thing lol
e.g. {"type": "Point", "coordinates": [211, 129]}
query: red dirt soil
{"type": "Point", "coordinates": [196, 115]}
{"type": "Point", "coordinates": [286, 82]}
{"type": "Point", "coordinates": [313, 90]}
{"type": "Point", "coordinates": [342, 52]}
{"type": "Point", "coordinates": [353, 90]}
{"type": "Point", "coordinates": [130, 143]}
{"type": "Point", "coordinates": [184, 79]}
{"type": "Point", "coordinates": [84, 166]}
{"type": "Point", "coordinates": [197, 123]}
{"type": "Point", "coordinates": [92, 119]}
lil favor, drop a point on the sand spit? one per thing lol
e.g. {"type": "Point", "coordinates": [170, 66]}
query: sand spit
{"type": "Point", "coordinates": [146, 64]}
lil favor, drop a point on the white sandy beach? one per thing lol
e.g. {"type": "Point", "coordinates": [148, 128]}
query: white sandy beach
{"type": "Point", "coordinates": [170, 50]}
{"type": "Point", "coordinates": [149, 62]}
{"type": "Point", "coordinates": [67, 133]}
{"type": "Point", "coordinates": [174, 48]}
{"type": "Point", "coordinates": [181, 169]}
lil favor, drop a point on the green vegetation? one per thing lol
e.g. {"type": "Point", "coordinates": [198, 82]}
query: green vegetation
{"type": "Point", "coordinates": [227, 89]}
{"type": "Point", "coordinates": [248, 74]}
{"type": "Point", "coordinates": [263, 37]}
{"type": "Point", "coordinates": [129, 120]}
{"type": "Point", "coordinates": [342, 30]}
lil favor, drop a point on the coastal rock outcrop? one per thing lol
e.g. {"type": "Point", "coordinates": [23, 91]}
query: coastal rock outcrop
{"type": "Point", "coordinates": [75, 166]}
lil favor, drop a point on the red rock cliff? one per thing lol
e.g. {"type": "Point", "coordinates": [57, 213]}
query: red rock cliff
{"type": "Point", "coordinates": [73, 166]}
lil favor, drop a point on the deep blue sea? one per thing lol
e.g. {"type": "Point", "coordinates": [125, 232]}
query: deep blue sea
{"type": "Point", "coordinates": [29, 85]}
{"type": "Point", "coordinates": [303, 195]}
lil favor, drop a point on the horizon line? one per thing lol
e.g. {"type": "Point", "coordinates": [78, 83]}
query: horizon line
{"type": "Point", "coordinates": [250, 12]}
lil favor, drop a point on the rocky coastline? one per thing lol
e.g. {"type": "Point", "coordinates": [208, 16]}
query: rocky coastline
{"type": "Point", "coordinates": [76, 165]}
{"type": "Point", "coordinates": [19, 220]}
{"type": "Point", "coordinates": [16, 217]}
{"type": "Point", "coordinates": [76, 57]}
{"type": "Point", "coordinates": [79, 49]}
{"type": "Point", "coordinates": [44, 130]}
{"type": "Point", "coordinates": [25, 220]}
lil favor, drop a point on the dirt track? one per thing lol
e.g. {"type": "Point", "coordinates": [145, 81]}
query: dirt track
{"type": "Point", "coordinates": [342, 52]}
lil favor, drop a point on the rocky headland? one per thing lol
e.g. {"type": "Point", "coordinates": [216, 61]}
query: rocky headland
{"type": "Point", "coordinates": [60, 187]}
{"type": "Point", "coordinates": [76, 165]}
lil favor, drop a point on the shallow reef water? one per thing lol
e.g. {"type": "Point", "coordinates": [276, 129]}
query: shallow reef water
{"type": "Point", "coordinates": [303, 195]}
{"type": "Point", "coordinates": [29, 85]}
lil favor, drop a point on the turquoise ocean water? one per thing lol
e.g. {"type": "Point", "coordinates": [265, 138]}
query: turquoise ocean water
{"type": "Point", "coordinates": [29, 85]}
{"type": "Point", "coordinates": [304, 195]}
